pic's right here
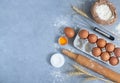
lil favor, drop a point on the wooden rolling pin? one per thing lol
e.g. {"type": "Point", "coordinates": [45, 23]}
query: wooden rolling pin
{"type": "Point", "coordinates": [96, 67]}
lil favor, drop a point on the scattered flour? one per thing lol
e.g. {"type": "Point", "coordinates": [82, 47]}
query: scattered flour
{"type": "Point", "coordinates": [60, 23]}
{"type": "Point", "coordinates": [118, 28]}
{"type": "Point", "coordinates": [58, 76]}
{"type": "Point", "coordinates": [56, 46]}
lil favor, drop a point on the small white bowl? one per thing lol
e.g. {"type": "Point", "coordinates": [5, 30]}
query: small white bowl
{"type": "Point", "coordinates": [57, 60]}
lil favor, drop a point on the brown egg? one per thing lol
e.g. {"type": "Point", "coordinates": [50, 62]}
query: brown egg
{"type": "Point", "coordinates": [117, 52]}
{"type": "Point", "coordinates": [69, 32]}
{"type": "Point", "coordinates": [113, 60]}
{"type": "Point", "coordinates": [83, 34]}
{"type": "Point", "coordinates": [101, 43]}
{"type": "Point", "coordinates": [92, 38]}
{"type": "Point", "coordinates": [110, 47]}
{"type": "Point", "coordinates": [96, 51]}
{"type": "Point", "coordinates": [105, 56]}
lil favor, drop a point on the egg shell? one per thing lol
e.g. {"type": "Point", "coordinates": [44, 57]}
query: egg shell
{"type": "Point", "coordinates": [105, 56]}
{"type": "Point", "coordinates": [96, 51]}
{"type": "Point", "coordinates": [83, 34]}
{"type": "Point", "coordinates": [101, 43]}
{"type": "Point", "coordinates": [110, 47]}
{"type": "Point", "coordinates": [69, 32]}
{"type": "Point", "coordinates": [92, 38]}
{"type": "Point", "coordinates": [113, 60]}
{"type": "Point", "coordinates": [117, 52]}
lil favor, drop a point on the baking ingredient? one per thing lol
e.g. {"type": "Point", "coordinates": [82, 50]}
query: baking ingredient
{"type": "Point", "coordinates": [113, 60]}
{"type": "Point", "coordinates": [63, 40]}
{"type": "Point", "coordinates": [83, 34]}
{"type": "Point", "coordinates": [105, 56]}
{"type": "Point", "coordinates": [96, 51]}
{"type": "Point", "coordinates": [110, 47]}
{"type": "Point", "coordinates": [78, 71]}
{"type": "Point", "coordinates": [104, 12]}
{"type": "Point", "coordinates": [101, 43]}
{"type": "Point", "coordinates": [69, 32]}
{"type": "Point", "coordinates": [96, 67]}
{"type": "Point", "coordinates": [92, 38]}
{"type": "Point", "coordinates": [79, 11]}
{"type": "Point", "coordinates": [117, 52]}
{"type": "Point", "coordinates": [57, 60]}
{"type": "Point", "coordinates": [58, 75]}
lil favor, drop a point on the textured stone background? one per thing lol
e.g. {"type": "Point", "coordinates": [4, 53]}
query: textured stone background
{"type": "Point", "coordinates": [28, 33]}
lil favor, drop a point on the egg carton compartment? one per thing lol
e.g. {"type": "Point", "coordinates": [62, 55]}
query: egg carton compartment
{"type": "Point", "coordinates": [85, 46]}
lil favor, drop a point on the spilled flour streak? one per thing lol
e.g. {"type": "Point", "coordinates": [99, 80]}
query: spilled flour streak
{"type": "Point", "coordinates": [58, 76]}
